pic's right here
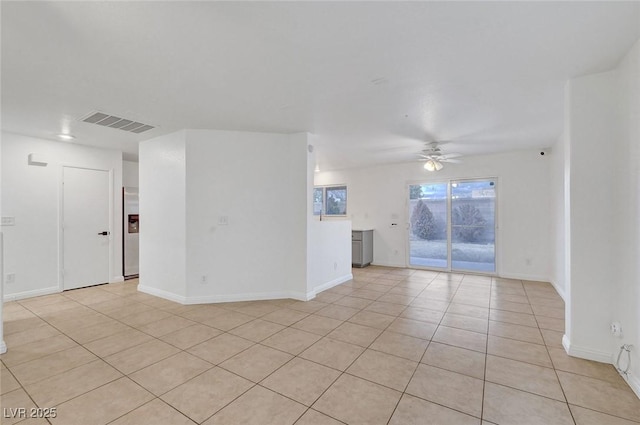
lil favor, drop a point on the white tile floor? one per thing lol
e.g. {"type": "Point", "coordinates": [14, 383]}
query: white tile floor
{"type": "Point", "coordinates": [394, 346]}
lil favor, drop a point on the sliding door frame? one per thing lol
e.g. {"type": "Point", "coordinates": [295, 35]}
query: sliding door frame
{"type": "Point", "coordinates": [449, 182]}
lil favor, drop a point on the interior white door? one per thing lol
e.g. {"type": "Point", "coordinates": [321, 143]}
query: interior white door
{"type": "Point", "coordinates": [86, 232]}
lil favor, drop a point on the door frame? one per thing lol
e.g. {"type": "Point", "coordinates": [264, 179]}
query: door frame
{"type": "Point", "coordinates": [448, 181]}
{"type": "Point", "coordinates": [110, 172]}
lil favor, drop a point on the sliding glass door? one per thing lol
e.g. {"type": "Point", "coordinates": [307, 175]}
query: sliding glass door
{"type": "Point", "coordinates": [473, 228]}
{"type": "Point", "coordinates": [452, 225]}
{"type": "Point", "coordinates": [428, 222]}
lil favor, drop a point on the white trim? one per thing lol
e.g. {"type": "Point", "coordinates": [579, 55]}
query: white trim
{"type": "Point", "coordinates": [559, 290]}
{"type": "Point", "coordinates": [210, 299]}
{"type": "Point", "coordinates": [111, 177]}
{"type": "Point", "coordinates": [497, 253]}
{"type": "Point", "coordinates": [396, 266]}
{"type": "Point", "coordinates": [3, 345]}
{"type": "Point", "coordinates": [33, 293]}
{"type": "Point", "coordinates": [602, 357]}
{"type": "Point", "coordinates": [116, 279]}
{"type": "Point", "coordinates": [566, 343]}
{"type": "Point", "coordinates": [524, 276]}
{"type": "Point", "coordinates": [112, 213]}
{"type": "Point", "coordinates": [162, 294]}
{"type": "Point", "coordinates": [330, 284]}
{"type": "Point", "coordinates": [250, 296]}
{"type": "Point", "coordinates": [633, 382]}
{"type": "Point", "coordinates": [585, 353]}
{"type": "Point", "coordinates": [630, 379]}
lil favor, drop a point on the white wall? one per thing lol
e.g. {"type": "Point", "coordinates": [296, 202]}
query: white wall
{"type": "Point", "coordinates": [31, 194]}
{"type": "Point", "coordinates": [626, 303]}
{"type": "Point", "coordinates": [226, 218]}
{"type": "Point", "coordinates": [3, 345]}
{"type": "Point", "coordinates": [329, 254]}
{"type": "Point", "coordinates": [328, 242]}
{"type": "Point", "coordinates": [558, 216]}
{"type": "Point", "coordinates": [592, 116]}
{"type": "Point", "coordinates": [130, 174]}
{"type": "Point", "coordinates": [162, 206]}
{"type": "Point", "coordinates": [258, 182]}
{"type": "Point", "coordinates": [603, 271]}
{"type": "Point", "coordinates": [377, 197]}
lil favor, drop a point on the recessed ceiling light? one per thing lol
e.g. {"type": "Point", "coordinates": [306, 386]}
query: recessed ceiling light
{"type": "Point", "coordinates": [66, 136]}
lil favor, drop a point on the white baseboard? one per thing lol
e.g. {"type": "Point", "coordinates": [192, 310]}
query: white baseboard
{"type": "Point", "coordinates": [633, 382]}
{"type": "Point", "coordinates": [3, 347]}
{"type": "Point", "coordinates": [518, 276]}
{"type": "Point", "coordinates": [328, 285]}
{"type": "Point", "coordinates": [602, 357]}
{"type": "Point", "coordinates": [116, 279]}
{"type": "Point", "coordinates": [33, 293]}
{"type": "Point", "coordinates": [585, 353]}
{"type": "Point", "coordinates": [211, 299]}
{"type": "Point", "coordinates": [566, 343]}
{"type": "Point", "coordinates": [629, 378]}
{"type": "Point", "coordinates": [397, 266]}
{"type": "Point", "coordinates": [251, 296]}
{"type": "Point", "coordinates": [524, 276]}
{"type": "Point", "coordinates": [559, 291]}
{"type": "Point", "coordinates": [162, 294]}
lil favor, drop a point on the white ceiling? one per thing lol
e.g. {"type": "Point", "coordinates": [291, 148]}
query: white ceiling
{"type": "Point", "coordinates": [372, 79]}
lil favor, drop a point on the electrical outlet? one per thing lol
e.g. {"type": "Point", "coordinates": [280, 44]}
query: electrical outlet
{"type": "Point", "coordinates": [8, 221]}
{"type": "Point", "coordinates": [203, 280]}
{"type": "Point", "coordinates": [335, 265]}
{"type": "Point", "coordinates": [527, 261]}
{"type": "Point", "coordinates": [616, 329]}
{"type": "Point", "coordinates": [10, 278]}
{"type": "Point", "coordinates": [223, 220]}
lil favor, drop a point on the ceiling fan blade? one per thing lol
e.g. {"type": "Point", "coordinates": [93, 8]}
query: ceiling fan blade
{"type": "Point", "coordinates": [413, 131]}
{"type": "Point", "coordinates": [428, 157]}
{"type": "Point", "coordinates": [452, 155]}
{"type": "Point", "coordinates": [451, 161]}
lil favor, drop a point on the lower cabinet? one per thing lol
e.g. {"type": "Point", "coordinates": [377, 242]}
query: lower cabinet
{"type": "Point", "coordinates": [361, 247]}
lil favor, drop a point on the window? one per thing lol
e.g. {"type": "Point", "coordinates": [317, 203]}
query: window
{"type": "Point", "coordinates": [330, 200]}
{"type": "Point", "coordinates": [318, 195]}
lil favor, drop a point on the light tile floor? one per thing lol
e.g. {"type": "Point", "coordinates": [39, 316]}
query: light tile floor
{"type": "Point", "coordinates": [393, 346]}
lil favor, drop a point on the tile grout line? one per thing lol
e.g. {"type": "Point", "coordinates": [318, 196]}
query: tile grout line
{"type": "Point", "coordinates": [566, 401]}
{"type": "Point", "coordinates": [315, 312]}
{"type": "Point", "coordinates": [486, 354]}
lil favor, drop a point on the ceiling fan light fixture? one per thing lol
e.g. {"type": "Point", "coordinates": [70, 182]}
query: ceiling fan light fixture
{"type": "Point", "coordinates": [433, 165]}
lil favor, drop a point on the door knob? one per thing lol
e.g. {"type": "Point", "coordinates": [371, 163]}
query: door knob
{"type": "Point", "coordinates": [105, 233]}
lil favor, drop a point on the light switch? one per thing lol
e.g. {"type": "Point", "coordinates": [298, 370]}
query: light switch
{"type": "Point", "coordinates": [8, 221]}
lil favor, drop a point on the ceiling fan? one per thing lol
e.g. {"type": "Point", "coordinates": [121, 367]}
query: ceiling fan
{"type": "Point", "coordinates": [435, 158]}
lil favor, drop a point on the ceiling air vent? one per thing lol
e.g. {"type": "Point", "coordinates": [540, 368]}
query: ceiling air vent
{"type": "Point", "coordinates": [112, 121]}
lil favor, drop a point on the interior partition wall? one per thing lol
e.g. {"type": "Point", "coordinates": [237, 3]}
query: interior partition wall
{"type": "Point", "coordinates": [452, 225]}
